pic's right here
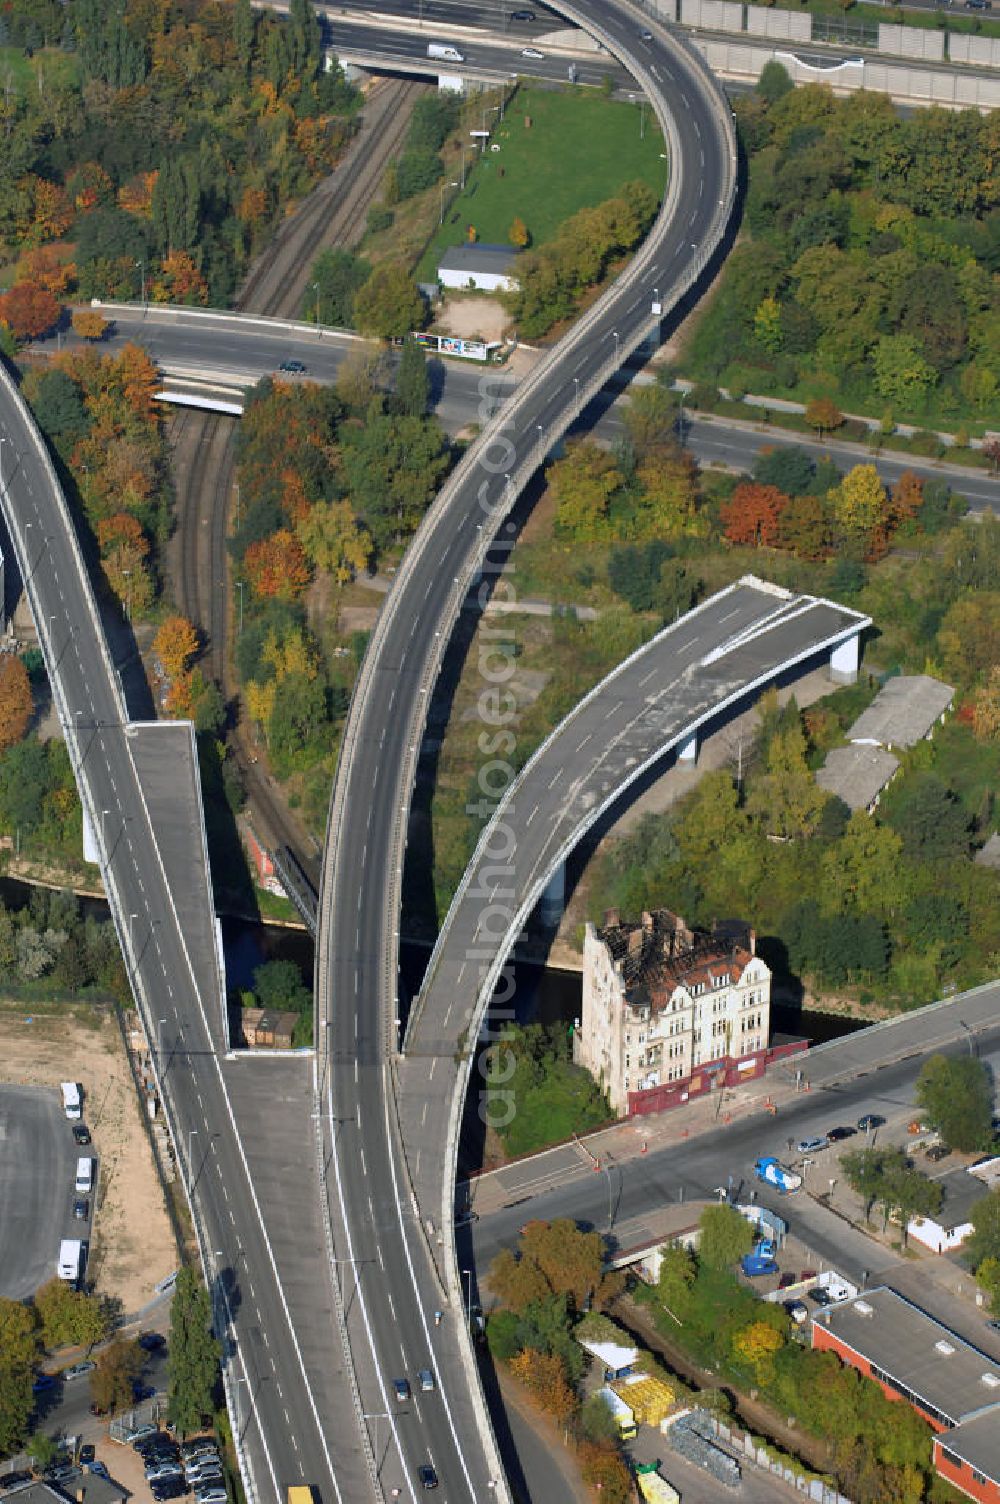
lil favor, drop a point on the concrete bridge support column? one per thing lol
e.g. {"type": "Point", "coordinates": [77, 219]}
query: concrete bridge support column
{"type": "Point", "coordinates": [688, 751]}
{"type": "Point", "coordinates": [844, 660]}
{"type": "Point", "coordinates": [553, 900]}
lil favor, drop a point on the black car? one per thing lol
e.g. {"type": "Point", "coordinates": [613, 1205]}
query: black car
{"type": "Point", "coordinates": [522, 15]}
{"type": "Point", "coordinates": [162, 1449]}
{"type": "Point", "coordinates": [836, 1134]}
{"type": "Point", "coordinates": [13, 1480]}
{"type": "Point", "coordinates": [938, 1151]}
{"type": "Point", "coordinates": [293, 367]}
{"type": "Point", "coordinates": [81, 1134]}
{"type": "Point", "coordinates": [428, 1477]}
{"type": "Point", "coordinates": [820, 1296]}
{"type": "Point", "coordinates": [87, 1453]}
{"type": "Point", "coordinates": [150, 1341]}
{"type": "Point", "coordinates": [168, 1488]}
{"type": "Point", "coordinates": [81, 1209]}
{"type": "Point", "coordinates": [868, 1121]}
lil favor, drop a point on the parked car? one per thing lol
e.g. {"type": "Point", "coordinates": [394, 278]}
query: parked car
{"type": "Point", "coordinates": [81, 1209]}
{"type": "Point", "coordinates": [870, 1120]}
{"type": "Point", "coordinates": [820, 1296]}
{"type": "Point", "coordinates": [141, 1391]}
{"type": "Point", "coordinates": [78, 1370]}
{"type": "Point", "coordinates": [532, 52]}
{"type": "Point", "coordinates": [428, 1477]}
{"type": "Point", "coordinates": [81, 1134]}
{"type": "Point", "coordinates": [97, 1467]}
{"type": "Point", "coordinates": [168, 1488]}
{"type": "Point", "coordinates": [13, 1480]}
{"type": "Point", "coordinates": [87, 1453]}
{"type": "Point", "coordinates": [292, 367]}
{"type": "Point", "coordinates": [835, 1135]}
{"type": "Point", "coordinates": [936, 1152]}
{"type": "Point", "coordinates": [60, 1471]}
{"type": "Point", "coordinates": [788, 1278]}
{"type": "Point", "coordinates": [214, 1495]}
{"type": "Point", "coordinates": [151, 1341]}
{"type": "Point", "coordinates": [140, 1434]}
{"type": "Point", "coordinates": [522, 15]}
{"type": "Point", "coordinates": [994, 1325]}
{"type": "Point", "coordinates": [402, 1388]}
{"type": "Point", "coordinates": [812, 1145]}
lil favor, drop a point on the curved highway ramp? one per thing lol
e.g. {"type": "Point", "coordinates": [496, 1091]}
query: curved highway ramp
{"type": "Point", "coordinates": [695, 672]}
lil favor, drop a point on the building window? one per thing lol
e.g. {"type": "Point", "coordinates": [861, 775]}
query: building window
{"type": "Point", "coordinates": [951, 1457]}
{"type": "Point", "coordinates": [979, 1478]}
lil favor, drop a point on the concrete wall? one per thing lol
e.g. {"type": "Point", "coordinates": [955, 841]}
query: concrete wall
{"type": "Point", "coordinates": [785, 25]}
{"type": "Point", "coordinates": [911, 41]}
{"type": "Point", "coordinates": [981, 52]}
{"type": "Point", "coordinates": [712, 15]}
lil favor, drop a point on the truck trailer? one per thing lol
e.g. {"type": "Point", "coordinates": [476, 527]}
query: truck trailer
{"type": "Point", "coordinates": [624, 1419]}
{"type": "Point", "coordinates": [72, 1105]}
{"type": "Point", "coordinates": [772, 1172]}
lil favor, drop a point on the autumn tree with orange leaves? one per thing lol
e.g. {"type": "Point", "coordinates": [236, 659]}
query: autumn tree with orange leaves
{"type": "Point", "coordinates": [276, 567]}
{"type": "Point", "coordinates": [46, 267]}
{"type": "Point", "coordinates": [180, 281]}
{"type": "Point", "coordinates": [29, 311]}
{"type": "Point", "coordinates": [753, 513]}
{"type": "Point", "coordinates": [15, 700]}
{"type": "Point", "coordinates": [89, 324]}
{"type": "Point", "coordinates": [544, 1377]}
{"type": "Point", "coordinates": [175, 645]}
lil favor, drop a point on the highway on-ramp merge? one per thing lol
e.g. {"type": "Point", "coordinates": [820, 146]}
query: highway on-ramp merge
{"type": "Point", "coordinates": [395, 1260]}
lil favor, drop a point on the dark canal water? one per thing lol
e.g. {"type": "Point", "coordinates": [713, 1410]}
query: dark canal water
{"type": "Point", "coordinates": [543, 994]}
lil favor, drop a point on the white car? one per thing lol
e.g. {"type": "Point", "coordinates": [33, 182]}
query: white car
{"type": "Point", "coordinates": [532, 52]}
{"type": "Point", "coordinates": [211, 1496]}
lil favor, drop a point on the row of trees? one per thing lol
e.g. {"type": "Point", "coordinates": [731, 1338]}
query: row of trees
{"type": "Point", "coordinates": [867, 275]}
{"type": "Point", "coordinates": [57, 1317]}
{"type": "Point", "coordinates": [49, 939]}
{"type": "Point", "coordinates": [554, 277]}
{"type": "Point", "coordinates": [329, 479]}
{"type": "Point", "coordinates": [881, 1450]}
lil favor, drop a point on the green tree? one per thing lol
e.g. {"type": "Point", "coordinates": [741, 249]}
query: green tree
{"type": "Point", "coordinates": [786, 799]}
{"type": "Point", "coordinates": [389, 305]}
{"type": "Point", "coordinates": [676, 1279]}
{"type": "Point", "coordinates": [69, 1318]}
{"type": "Point", "coordinates": [597, 1422]}
{"type": "Point", "coordinates": [862, 1169]}
{"type": "Point", "coordinates": [334, 281]}
{"type": "Point", "coordinates": [412, 384]}
{"type": "Point", "coordinates": [928, 817]}
{"type": "Point", "coordinates": [392, 467]}
{"type": "Point", "coordinates": [767, 325]}
{"type": "Point", "coordinates": [988, 1280]}
{"type": "Point", "coordinates": [774, 83]}
{"type": "Point", "coordinates": [902, 375]}
{"type": "Point", "coordinates": [18, 1345]}
{"type": "Point", "coordinates": [862, 873]}
{"type": "Point", "coordinates": [334, 541]}
{"type": "Point", "coordinates": [279, 985]}
{"type": "Point", "coordinates": [983, 1242]}
{"type": "Point", "coordinates": [969, 636]}
{"type": "Point", "coordinates": [583, 482]}
{"type": "Point", "coordinates": [193, 1355]}
{"type": "Point", "coordinates": [118, 1365]}
{"type": "Point", "coordinates": [861, 502]}
{"type": "Point", "coordinates": [297, 717]}
{"type": "Point", "coordinates": [956, 1093]}
{"type": "Point", "coordinates": [244, 28]}
{"type": "Point", "coordinates": [726, 1236]}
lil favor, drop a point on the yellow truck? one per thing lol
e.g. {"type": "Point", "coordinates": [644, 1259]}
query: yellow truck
{"type": "Point", "coordinates": [302, 1493]}
{"type": "Point", "coordinates": [653, 1486]}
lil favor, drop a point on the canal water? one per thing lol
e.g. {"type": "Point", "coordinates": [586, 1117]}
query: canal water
{"type": "Point", "coordinates": [542, 994]}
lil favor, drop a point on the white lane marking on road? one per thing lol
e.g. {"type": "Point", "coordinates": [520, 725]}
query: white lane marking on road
{"type": "Point", "coordinates": [442, 1389]}
{"type": "Point", "coordinates": [423, 1115]}
{"type": "Point", "coordinates": [646, 677]}
{"type": "Point", "coordinates": [430, 1073]}
{"type": "Point", "coordinates": [392, 1308]}
{"type": "Point", "coordinates": [534, 812]}
{"type": "Point", "coordinates": [689, 644]}
{"type": "Point", "coordinates": [555, 778]}
{"type": "Point", "coordinates": [588, 738]}
{"type": "Point", "coordinates": [355, 1072]}
{"type": "Point", "coordinates": [364, 1167]}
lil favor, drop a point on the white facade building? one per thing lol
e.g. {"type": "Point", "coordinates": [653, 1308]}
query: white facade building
{"type": "Point", "coordinates": [668, 1012]}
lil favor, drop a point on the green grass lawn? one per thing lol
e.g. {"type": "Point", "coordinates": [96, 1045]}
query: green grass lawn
{"type": "Point", "coordinates": [578, 151]}
{"type": "Point", "coordinates": [21, 73]}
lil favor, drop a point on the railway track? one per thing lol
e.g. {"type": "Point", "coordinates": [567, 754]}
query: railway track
{"type": "Point", "coordinates": [203, 443]}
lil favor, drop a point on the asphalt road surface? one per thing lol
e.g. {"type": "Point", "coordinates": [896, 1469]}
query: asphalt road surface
{"type": "Point", "coordinates": [37, 1174]}
{"type": "Point", "coordinates": [241, 353]}
{"type": "Point", "coordinates": [393, 1282]}
{"type": "Point", "coordinates": [695, 1168]}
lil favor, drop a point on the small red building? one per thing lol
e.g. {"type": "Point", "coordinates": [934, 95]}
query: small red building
{"type": "Point", "coordinates": [913, 1357]}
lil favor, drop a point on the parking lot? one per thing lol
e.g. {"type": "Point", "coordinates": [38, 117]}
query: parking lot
{"type": "Point", "coordinates": [37, 1172]}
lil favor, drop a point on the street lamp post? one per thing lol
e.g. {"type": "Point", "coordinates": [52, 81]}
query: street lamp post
{"type": "Point", "coordinates": [239, 586]}
{"type": "Point", "coordinates": [3, 441]}
{"type": "Point", "coordinates": [376, 1416]}
{"type": "Point", "coordinates": [444, 186]}
{"type": "Point", "coordinates": [192, 1134]}
{"type": "Point", "coordinates": [315, 288]}
{"type": "Point", "coordinates": [618, 343]}
{"type": "Point", "coordinates": [141, 264]}
{"type": "Point", "coordinates": [128, 594]}
{"type": "Point", "coordinates": [467, 1274]}
{"type": "Point", "coordinates": [237, 506]}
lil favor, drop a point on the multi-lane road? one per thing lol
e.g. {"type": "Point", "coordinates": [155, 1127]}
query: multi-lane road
{"type": "Point", "coordinates": [385, 1237]}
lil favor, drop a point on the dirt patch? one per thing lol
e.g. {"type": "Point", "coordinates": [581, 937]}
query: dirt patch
{"type": "Point", "coordinates": [472, 318]}
{"type": "Point", "coordinates": [132, 1246]}
{"type": "Point", "coordinates": [356, 619]}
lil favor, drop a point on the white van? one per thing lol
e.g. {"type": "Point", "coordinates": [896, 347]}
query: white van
{"type": "Point", "coordinates": [84, 1176]}
{"type": "Point", "coordinates": [70, 1260]}
{"type": "Point", "coordinates": [445, 51]}
{"type": "Point", "coordinates": [72, 1106]}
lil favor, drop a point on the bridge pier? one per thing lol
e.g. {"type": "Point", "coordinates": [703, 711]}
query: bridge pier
{"type": "Point", "coordinates": [553, 900]}
{"type": "Point", "coordinates": [844, 660]}
{"type": "Point", "coordinates": [688, 751]}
